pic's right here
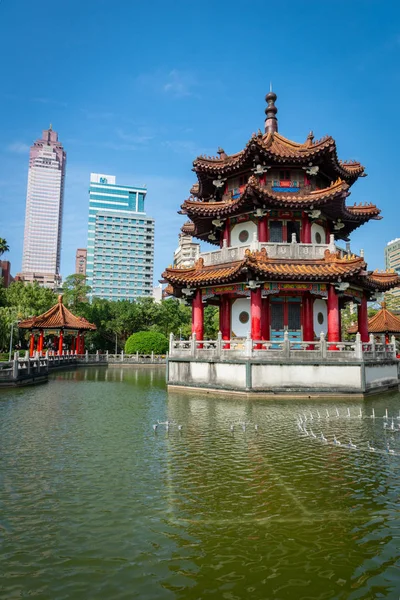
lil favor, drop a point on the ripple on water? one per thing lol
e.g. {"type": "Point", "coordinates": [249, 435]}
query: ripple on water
{"type": "Point", "coordinates": [95, 504]}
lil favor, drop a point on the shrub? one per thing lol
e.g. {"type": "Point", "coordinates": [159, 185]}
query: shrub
{"type": "Point", "coordinates": [146, 342]}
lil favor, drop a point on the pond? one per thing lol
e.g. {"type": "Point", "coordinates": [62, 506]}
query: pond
{"type": "Point", "coordinates": [95, 504]}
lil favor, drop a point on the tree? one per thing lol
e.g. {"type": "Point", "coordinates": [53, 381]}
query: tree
{"type": "Point", "coordinates": [392, 302]}
{"type": "Point", "coordinates": [146, 342]}
{"type": "Point", "coordinates": [75, 292]}
{"type": "Point", "coordinates": [3, 246]}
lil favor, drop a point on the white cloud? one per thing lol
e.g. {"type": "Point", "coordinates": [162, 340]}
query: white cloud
{"type": "Point", "coordinates": [176, 84]}
{"type": "Point", "coordinates": [19, 148]}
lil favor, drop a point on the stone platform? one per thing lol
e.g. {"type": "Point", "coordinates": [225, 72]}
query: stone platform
{"type": "Point", "coordinates": [284, 368]}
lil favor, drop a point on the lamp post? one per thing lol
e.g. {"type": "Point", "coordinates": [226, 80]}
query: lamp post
{"type": "Point", "coordinates": [11, 339]}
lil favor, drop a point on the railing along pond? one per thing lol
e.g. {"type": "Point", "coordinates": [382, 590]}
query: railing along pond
{"type": "Point", "coordinates": [39, 365]}
{"type": "Point", "coordinates": [286, 349]}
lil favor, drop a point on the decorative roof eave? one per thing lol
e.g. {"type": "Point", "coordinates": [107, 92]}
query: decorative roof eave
{"type": "Point", "coordinates": [331, 268]}
{"type": "Point", "coordinates": [383, 281]}
{"type": "Point", "coordinates": [383, 322]}
{"type": "Point", "coordinates": [275, 148]}
{"type": "Point", "coordinates": [57, 317]}
{"type": "Point", "coordinates": [263, 195]}
{"type": "Point", "coordinates": [333, 198]}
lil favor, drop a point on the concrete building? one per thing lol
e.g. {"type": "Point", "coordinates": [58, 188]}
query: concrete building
{"type": "Point", "coordinates": [392, 260]}
{"type": "Point", "coordinates": [158, 293]}
{"type": "Point", "coordinates": [44, 210]}
{"type": "Point", "coordinates": [187, 252]}
{"type": "Point", "coordinates": [5, 272]}
{"type": "Point", "coordinates": [80, 261]}
{"type": "Point", "coordinates": [120, 252]}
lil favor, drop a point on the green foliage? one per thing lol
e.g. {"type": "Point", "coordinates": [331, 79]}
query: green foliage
{"type": "Point", "coordinates": [392, 302]}
{"type": "Point", "coordinates": [3, 246]}
{"type": "Point", "coordinates": [75, 292]}
{"type": "Point", "coordinates": [146, 342]}
{"type": "Point", "coordinates": [19, 302]}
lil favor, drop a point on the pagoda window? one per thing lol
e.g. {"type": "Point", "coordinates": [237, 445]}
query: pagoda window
{"type": "Point", "coordinates": [293, 227]}
{"type": "Point", "coordinates": [276, 231]}
{"type": "Point", "coordinates": [277, 316]}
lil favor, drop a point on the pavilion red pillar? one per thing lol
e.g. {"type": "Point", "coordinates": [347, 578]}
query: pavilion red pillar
{"type": "Point", "coordinates": [225, 317]}
{"type": "Point", "coordinates": [306, 230]}
{"type": "Point", "coordinates": [255, 314]}
{"type": "Point", "coordinates": [227, 233]}
{"type": "Point", "coordinates": [308, 318]}
{"type": "Point", "coordinates": [32, 344]}
{"type": "Point", "coordinates": [60, 342]}
{"type": "Point", "coordinates": [82, 344]}
{"type": "Point", "coordinates": [333, 315]}
{"type": "Point", "coordinates": [265, 335]}
{"type": "Point", "coordinates": [362, 313]}
{"type": "Point", "coordinates": [263, 229]}
{"type": "Point", "coordinates": [77, 343]}
{"type": "Point", "coordinates": [40, 341]}
{"type": "Point", "coordinates": [198, 315]}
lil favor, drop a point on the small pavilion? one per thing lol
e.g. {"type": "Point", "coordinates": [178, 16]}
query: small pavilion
{"type": "Point", "coordinates": [57, 322]}
{"type": "Point", "coordinates": [384, 323]}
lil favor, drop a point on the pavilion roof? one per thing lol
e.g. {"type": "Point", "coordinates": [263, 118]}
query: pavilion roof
{"type": "Point", "coordinates": [331, 199]}
{"type": "Point", "coordinates": [330, 268]}
{"type": "Point", "coordinates": [383, 322]}
{"type": "Point", "coordinates": [274, 148]}
{"type": "Point", "coordinates": [58, 317]}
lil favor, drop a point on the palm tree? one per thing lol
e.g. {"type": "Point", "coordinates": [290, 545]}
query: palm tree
{"type": "Point", "coordinates": [3, 246]}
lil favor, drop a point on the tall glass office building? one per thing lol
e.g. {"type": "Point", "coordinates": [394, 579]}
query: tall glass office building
{"type": "Point", "coordinates": [120, 251]}
{"type": "Point", "coordinates": [44, 210]}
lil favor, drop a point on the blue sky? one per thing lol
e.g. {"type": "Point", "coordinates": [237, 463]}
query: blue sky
{"type": "Point", "coordinates": [138, 89]}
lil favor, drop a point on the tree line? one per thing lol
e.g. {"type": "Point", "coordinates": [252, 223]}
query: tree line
{"type": "Point", "coordinates": [115, 320]}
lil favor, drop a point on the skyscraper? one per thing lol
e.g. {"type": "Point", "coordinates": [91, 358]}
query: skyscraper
{"type": "Point", "coordinates": [392, 260]}
{"type": "Point", "coordinates": [44, 209]}
{"type": "Point", "coordinates": [120, 256]}
{"type": "Point", "coordinates": [80, 261]}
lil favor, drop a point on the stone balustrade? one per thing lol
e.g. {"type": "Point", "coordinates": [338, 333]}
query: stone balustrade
{"type": "Point", "coordinates": [286, 349]}
{"type": "Point", "coordinates": [292, 251]}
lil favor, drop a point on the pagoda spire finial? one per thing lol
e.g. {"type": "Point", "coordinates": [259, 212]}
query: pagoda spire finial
{"type": "Point", "coordinates": [271, 122]}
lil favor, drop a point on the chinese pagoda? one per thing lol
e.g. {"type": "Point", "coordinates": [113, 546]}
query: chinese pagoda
{"type": "Point", "coordinates": [57, 323]}
{"type": "Point", "coordinates": [276, 211]}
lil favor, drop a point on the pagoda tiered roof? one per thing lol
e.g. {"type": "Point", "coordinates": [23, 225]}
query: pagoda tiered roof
{"type": "Point", "coordinates": [383, 322]}
{"type": "Point", "coordinates": [58, 317]}
{"type": "Point", "coordinates": [272, 148]}
{"type": "Point", "coordinates": [332, 199]}
{"type": "Point", "coordinates": [332, 268]}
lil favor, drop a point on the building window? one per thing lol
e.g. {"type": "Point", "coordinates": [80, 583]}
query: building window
{"type": "Point", "coordinates": [318, 240]}
{"type": "Point", "coordinates": [276, 231]}
{"type": "Point", "coordinates": [244, 317]}
{"type": "Point", "coordinates": [243, 236]}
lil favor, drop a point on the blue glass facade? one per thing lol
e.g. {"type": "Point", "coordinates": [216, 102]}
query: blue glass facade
{"type": "Point", "coordinates": [120, 256]}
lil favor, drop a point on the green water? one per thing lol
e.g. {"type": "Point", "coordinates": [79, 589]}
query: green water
{"type": "Point", "coordinates": [94, 504]}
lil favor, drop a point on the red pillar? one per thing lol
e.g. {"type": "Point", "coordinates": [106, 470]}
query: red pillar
{"type": "Point", "coordinates": [40, 341]}
{"type": "Point", "coordinates": [82, 344]}
{"type": "Point", "coordinates": [362, 311]}
{"type": "Point", "coordinates": [60, 342]}
{"type": "Point", "coordinates": [255, 313]}
{"type": "Point", "coordinates": [306, 230]}
{"type": "Point", "coordinates": [328, 234]}
{"type": "Point", "coordinates": [225, 317]}
{"type": "Point", "coordinates": [198, 315]}
{"type": "Point", "coordinates": [263, 229]}
{"type": "Point", "coordinates": [265, 335]}
{"type": "Point", "coordinates": [333, 315]}
{"type": "Point", "coordinates": [78, 343]}
{"type": "Point", "coordinates": [32, 344]}
{"type": "Point", "coordinates": [308, 318]}
{"type": "Point", "coordinates": [227, 233]}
